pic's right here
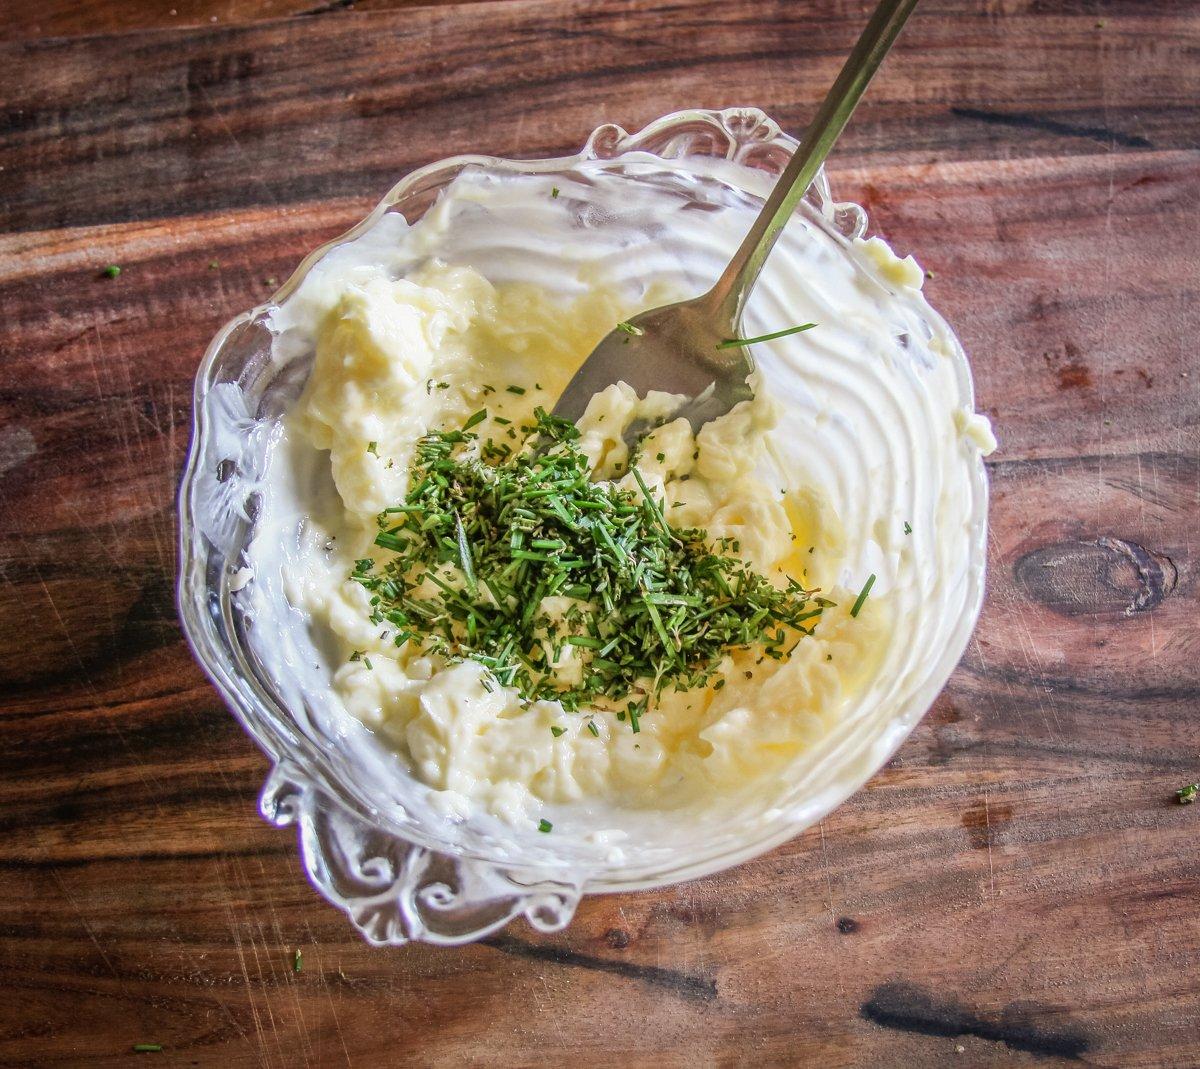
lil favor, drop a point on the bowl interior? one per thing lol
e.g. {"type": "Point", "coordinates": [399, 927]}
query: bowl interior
{"type": "Point", "coordinates": [668, 204]}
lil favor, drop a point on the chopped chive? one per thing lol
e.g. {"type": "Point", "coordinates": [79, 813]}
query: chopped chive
{"type": "Point", "coordinates": [862, 594]}
{"type": "Point", "coordinates": [591, 726]}
{"type": "Point", "coordinates": [647, 601]}
{"type": "Point", "coordinates": [545, 825]}
{"type": "Point", "coordinates": [464, 554]}
{"type": "Point", "coordinates": [476, 419]}
{"type": "Point", "coordinates": [389, 540]}
{"type": "Point", "coordinates": [516, 389]}
{"type": "Point", "coordinates": [585, 641]}
{"type": "Point", "coordinates": [1187, 795]}
{"type": "Point", "coordinates": [373, 448]}
{"type": "Point", "coordinates": [112, 271]}
{"type": "Point", "coordinates": [630, 328]}
{"type": "Point", "coordinates": [297, 961]}
{"type": "Point", "coordinates": [557, 732]}
{"type": "Point", "coordinates": [147, 1048]}
{"type": "Point", "coordinates": [733, 343]}
{"type": "Point", "coordinates": [907, 527]}
{"type": "Point", "coordinates": [554, 192]}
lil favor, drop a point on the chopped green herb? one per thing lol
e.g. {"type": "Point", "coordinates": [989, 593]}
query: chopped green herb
{"type": "Point", "coordinates": [516, 389]}
{"type": "Point", "coordinates": [733, 343]}
{"type": "Point", "coordinates": [485, 535]}
{"type": "Point", "coordinates": [111, 271]}
{"type": "Point", "coordinates": [862, 594]}
{"type": "Point", "coordinates": [630, 328]}
{"type": "Point", "coordinates": [557, 732]}
{"type": "Point", "coordinates": [443, 385]}
{"type": "Point", "coordinates": [373, 448]}
{"type": "Point", "coordinates": [476, 419]}
{"type": "Point", "coordinates": [591, 726]}
{"type": "Point", "coordinates": [147, 1048]}
{"type": "Point", "coordinates": [297, 961]}
{"type": "Point", "coordinates": [367, 662]}
{"type": "Point", "coordinates": [213, 265]}
{"type": "Point", "coordinates": [545, 825]}
{"type": "Point", "coordinates": [907, 527]}
{"type": "Point", "coordinates": [554, 192]}
{"type": "Point", "coordinates": [1187, 795]}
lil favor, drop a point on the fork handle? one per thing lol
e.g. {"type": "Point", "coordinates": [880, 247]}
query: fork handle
{"type": "Point", "coordinates": [738, 278]}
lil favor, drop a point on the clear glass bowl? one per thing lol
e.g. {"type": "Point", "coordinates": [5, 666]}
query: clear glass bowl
{"type": "Point", "coordinates": [394, 870]}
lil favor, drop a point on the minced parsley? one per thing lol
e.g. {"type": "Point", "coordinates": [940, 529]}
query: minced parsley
{"type": "Point", "coordinates": [487, 533]}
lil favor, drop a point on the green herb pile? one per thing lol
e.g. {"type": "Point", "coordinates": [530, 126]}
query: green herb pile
{"type": "Point", "coordinates": [488, 531]}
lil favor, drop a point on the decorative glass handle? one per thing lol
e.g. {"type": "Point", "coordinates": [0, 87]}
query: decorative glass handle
{"type": "Point", "coordinates": [396, 892]}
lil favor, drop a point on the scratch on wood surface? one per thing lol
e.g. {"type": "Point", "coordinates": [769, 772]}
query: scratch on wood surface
{"type": "Point", "coordinates": [825, 872]}
{"type": "Point", "coordinates": [337, 1024]}
{"type": "Point", "coordinates": [208, 101]}
{"type": "Point", "coordinates": [251, 929]}
{"type": "Point", "coordinates": [234, 931]}
{"type": "Point", "coordinates": [987, 830]}
{"type": "Point", "coordinates": [998, 971]}
{"type": "Point", "coordinates": [87, 928]}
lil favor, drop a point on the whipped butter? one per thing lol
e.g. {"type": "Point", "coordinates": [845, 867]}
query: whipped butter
{"type": "Point", "coordinates": [848, 463]}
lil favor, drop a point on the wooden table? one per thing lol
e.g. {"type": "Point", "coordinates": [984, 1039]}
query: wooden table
{"type": "Point", "coordinates": [1018, 887]}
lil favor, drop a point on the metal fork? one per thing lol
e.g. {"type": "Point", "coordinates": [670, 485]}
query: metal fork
{"type": "Point", "coordinates": [692, 347]}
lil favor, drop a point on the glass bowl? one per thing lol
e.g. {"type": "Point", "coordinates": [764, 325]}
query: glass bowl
{"type": "Point", "coordinates": [402, 873]}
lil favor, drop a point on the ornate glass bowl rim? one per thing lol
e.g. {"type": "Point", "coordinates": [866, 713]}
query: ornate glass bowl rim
{"type": "Point", "coordinates": [746, 135]}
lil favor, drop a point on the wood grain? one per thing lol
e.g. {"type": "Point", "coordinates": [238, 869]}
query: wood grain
{"type": "Point", "coordinates": [273, 114]}
{"type": "Point", "coordinates": [1016, 888]}
{"type": "Point", "coordinates": [73, 18]}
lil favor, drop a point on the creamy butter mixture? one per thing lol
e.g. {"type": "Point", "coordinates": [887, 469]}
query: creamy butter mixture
{"type": "Point", "coordinates": [398, 358]}
{"type": "Point", "coordinates": [403, 348]}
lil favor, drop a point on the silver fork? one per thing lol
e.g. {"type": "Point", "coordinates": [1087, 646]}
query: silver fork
{"type": "Point", "coordinates": [694, 347]}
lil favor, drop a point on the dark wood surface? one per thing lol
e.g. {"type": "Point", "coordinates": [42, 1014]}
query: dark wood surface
{"type": "Point", "coordinates": [1016, 888]}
